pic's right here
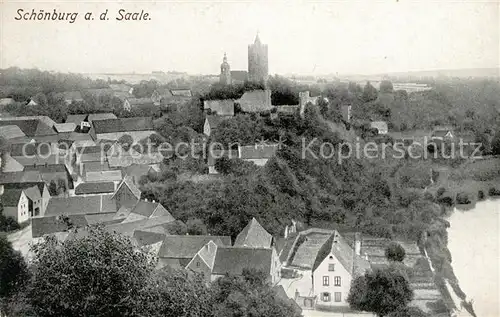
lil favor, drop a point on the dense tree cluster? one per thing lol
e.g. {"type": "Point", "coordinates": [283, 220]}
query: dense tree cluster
{"type": "Point", "coordinates": [97, 273]}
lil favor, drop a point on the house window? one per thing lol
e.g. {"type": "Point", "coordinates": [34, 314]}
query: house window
{"type": "Point", "coordinates": [325, 297]}
{"type": "Point", "coordinates": [197, 264]}
{"type": "Point", "coordinates": [326, 280]}
{"type": "Point", "coordinates": [338, 296]}
{"type": "Point", "coordinates": [336, 281]}
{"type": "Point", "coordinates": [331, 267]}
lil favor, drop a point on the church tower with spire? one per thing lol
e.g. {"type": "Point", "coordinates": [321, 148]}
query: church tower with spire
{"type": "Point", "coordinates": [225, 72]}
{"type": "Point", "coordinates": [257, 61]}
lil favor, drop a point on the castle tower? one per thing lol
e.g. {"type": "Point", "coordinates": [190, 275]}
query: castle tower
{"type": "Point", "coordinates": [257, 61]}
{"type": "Point", "coordinates": [225, 72]}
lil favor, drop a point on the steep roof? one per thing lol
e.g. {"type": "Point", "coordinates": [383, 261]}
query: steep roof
{"type": "Point", "coordinates": [123, 125]}
{"type": "Point", "coordinates": [10, 197]}
{"type": "Point", "coordinates": [95, 188]}
{"type": "Point", "coordinates": [220, 107]}
{"type": "Point", "coordinates": [144, 237]}
{"type": "Point", "coordinates": [76, 118]}
{"type": "Point", "coordinates": [101, 116]}
{"type": "Point", "coordinates": [249, 152]}
{"type": "Point", "coordinates": [234, 260]}
{"type": "Point", "coordinates": [30, 127]}
{"type": "Point", "coordinates": [20, 177]}
{"type": "Point", "coordinates": [254, 236]}
{"type": "Point", "coordinates": [80, 205]}
{"type": "Point", "coordinates": [128, 228]}
{"type": "Point", "coordinates": [65, 127]}
{"type": "Point", "coordinates": [41, 226]}
{"type": "Point", "coordinates": [340, 248]}
{"type": "Point", "coordinates": [147, 208]}
{"type": "Point", "coordinates": [255, 101]}
{"type": "Point", "coordinates": [127, 182]}
{"type": "Point", "coordinates": [40, 185]}
{"type": "Point", "coordinates": [104, 176]}
{"type": "Point", "coordinates": [214, 120]}
{"type": "Point", "coordinates": [11, 131]}
{"type": "Point", "coordinates": [185, 247]}
{"type": "Point", "coordinates": [33, 193]}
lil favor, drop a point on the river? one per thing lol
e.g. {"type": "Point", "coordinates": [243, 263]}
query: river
{"type": "Point", "coordinates": [473, 240]}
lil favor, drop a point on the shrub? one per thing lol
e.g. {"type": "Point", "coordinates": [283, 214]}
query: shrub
{"type": "Point", "coordinates": [480, 195]}
{"type": "Point", "coordinates": [395, 252]}
{"type": "Point", "coordinates": [463, 198]}
{"type": "Point", "coordinates": [494, 191]}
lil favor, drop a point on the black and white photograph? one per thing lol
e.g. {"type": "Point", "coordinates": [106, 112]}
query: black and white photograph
{"type": "Point", "coordinates": [253, 158]}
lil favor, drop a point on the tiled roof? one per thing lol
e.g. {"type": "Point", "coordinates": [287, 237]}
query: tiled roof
{"type": "Point", "coordinates": [255, 101]}
{"type": "Point", "coordinates": [41, 226]}
{"type": "Point", "coordinates": [101, 116]}
{"type": "Point", "coordinates": [127, 181]}
{"type": "Point", "coordinates": [65, 127]}
{"type": "Point", "coordinates": [95, 188]}
{"type": "Point", "coordinates": [10, 197]}
{"type": "Point", "coordinates": [254, 235]}
{"type": "Point", "coordinates": [40, 185]}
{"type": "Point", "coordinates": [48, 121]}
{"type": "Point", "coordinates": [33, 193]}
{"type": "Point", "coordinates": [20, 177]}
{"type": "Point", "coordinates": [147, 208]}
{"type": "Point", "coordinates": [341, 249]}
{"type": "Point", "coordinates": [123, 125]}
{"type": "Point", "coordinates": [76, 118]}
{"type": "Point", "coordinates": [220, 107]}
{"type": "Point", "coordinates": [104, 176]}
{"type": "Point", "coordinates": [76, 205]}
{"type": "Point", "coordinates": [30, 127]}
{"type": "Point", "coordinates": [107, 218]}
{"type": "Point", "coordinates": [234, 260]}
{"type": "Point", "coordinates": [128, 228]}
{"type": "Point", "coordinates": [11, 131]}
{"type": "Point", "coordinates": [185, 247]}
{"type": "Point", "coordinates": [95, 166]}
{"type": "Point", "coordinates": [147, 237]}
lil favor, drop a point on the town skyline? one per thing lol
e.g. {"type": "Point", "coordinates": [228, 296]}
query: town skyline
{"type": "Point", "coordinates": [313, 38]}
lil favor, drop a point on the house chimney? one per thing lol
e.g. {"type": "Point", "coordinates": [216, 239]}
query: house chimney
{"type": "Point", "coordinates": [357, 243]}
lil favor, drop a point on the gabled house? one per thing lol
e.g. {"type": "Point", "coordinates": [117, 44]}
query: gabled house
{"type": "Point", "coordinates": [134, 103]}
{"type": "Point", "coordinates": [81, 205]}
{"type": "Point", "coordinates": [127, 194]}
{"type": "Point", "coordinates": [30, 126]}
{"type": "Point", "coordinates": [335, 266]}
{"type": "Point", "coordinates": [15, 204]}
{"type": "Point", "coordinates": [53, 172]}
{"type": "Point", "coordinates": [147, 209]}
{"type": "Point", "coordinates": [84, 121]}
{"type": "Point", "coordinates": [219, 107]}
{"type": "Point", "coordinates": [138, 128]}
{"type": "Point", "coordinates": [233, 260]}
{"type": "Point", "coordinates": [254, 236]}
{"type": "Point", "coordinates": [38, 198]}
{"type": "Point", "coordinates": [255, 101]}
{"type": "Point", "coordinates": [177, 251]}
{"type": "Point", "coordinates": [204, 260]}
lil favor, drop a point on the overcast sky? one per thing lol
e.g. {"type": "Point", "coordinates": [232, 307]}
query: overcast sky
{"type": "Point", "coordinates": [304, 37]}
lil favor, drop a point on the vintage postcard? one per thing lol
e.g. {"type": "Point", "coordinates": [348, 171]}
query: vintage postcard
{"type": "Point", "coordinates": [250, 158]}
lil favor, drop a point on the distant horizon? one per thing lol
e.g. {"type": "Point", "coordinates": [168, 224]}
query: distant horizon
{"type": "Point", "coordinates": [313, 38]}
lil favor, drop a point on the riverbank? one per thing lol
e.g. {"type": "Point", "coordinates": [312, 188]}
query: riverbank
{"type": "Point", "coordinates": [474, 247]}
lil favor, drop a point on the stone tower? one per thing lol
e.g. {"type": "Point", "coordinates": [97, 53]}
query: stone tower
{"type": "Point", "coordinates": [257, 61]}
{"type": "Point", "coordinates": [225, 72]}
